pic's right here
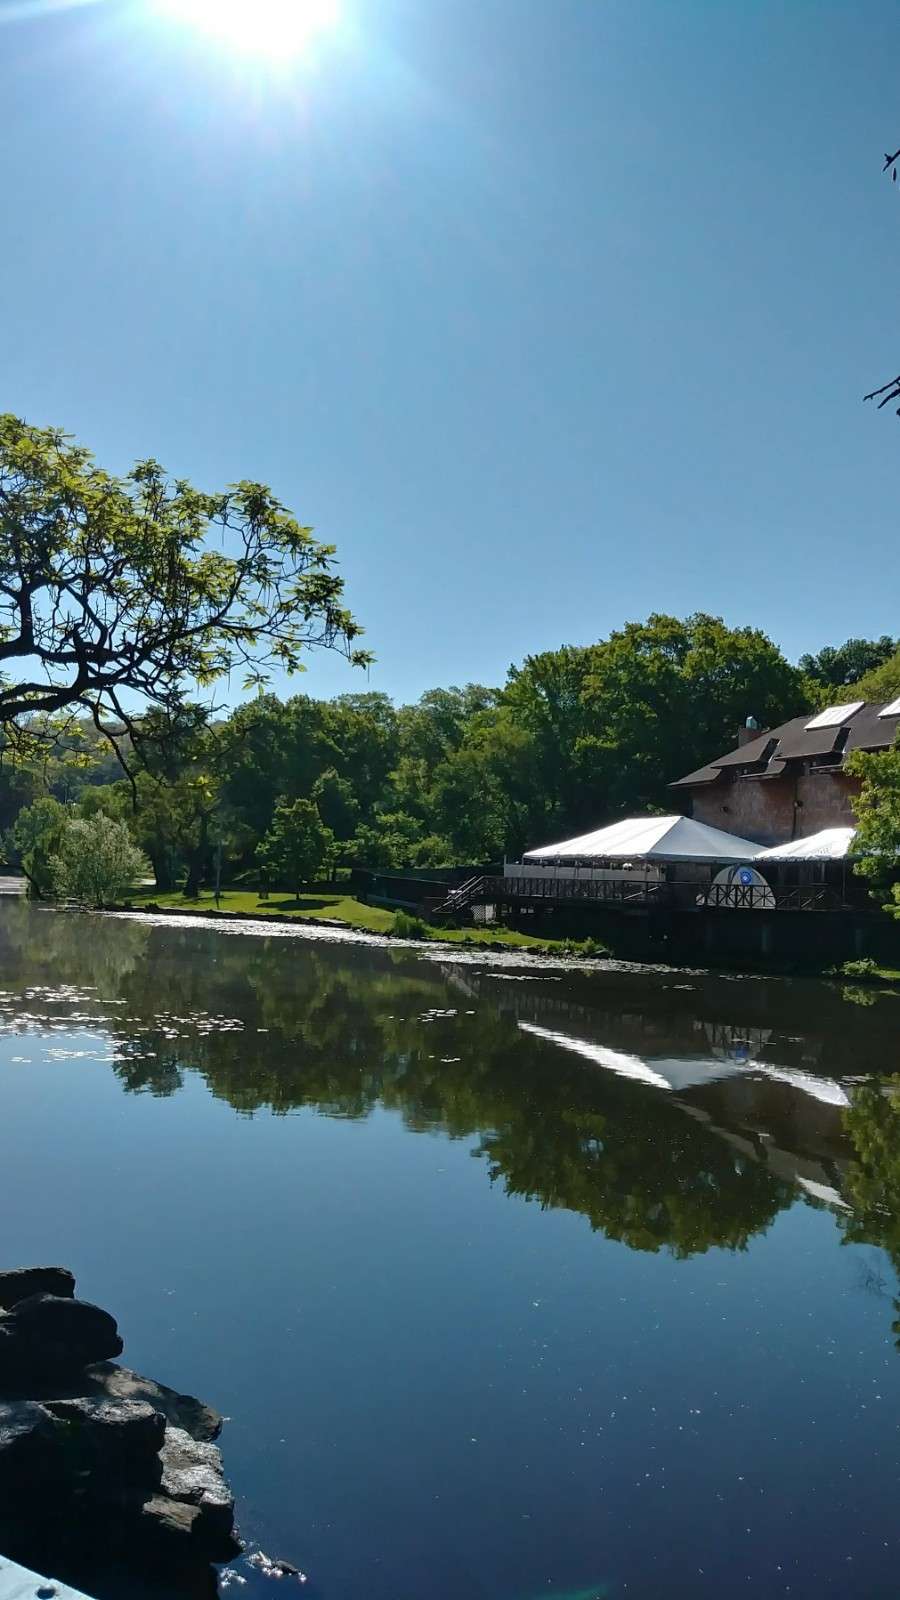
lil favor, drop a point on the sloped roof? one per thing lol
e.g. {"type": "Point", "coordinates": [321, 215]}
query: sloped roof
{"type": "Point", "coordinates": [862, 726]}
{"type": "Point", "coordinates": [832, 844]}
{"type": "Point", "coordinates": [651, 839]}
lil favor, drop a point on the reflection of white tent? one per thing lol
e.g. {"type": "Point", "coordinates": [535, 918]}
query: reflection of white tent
{"type": "Point", "coordinates": [650, 839]}
{"type": "Point", "coordinates": [680, 1075]}
{"type": "Point", "coordinates": [832, 844]}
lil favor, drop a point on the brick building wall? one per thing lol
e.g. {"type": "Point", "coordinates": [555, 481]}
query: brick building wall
{"type": "Point", "coordinates": [775, 810]}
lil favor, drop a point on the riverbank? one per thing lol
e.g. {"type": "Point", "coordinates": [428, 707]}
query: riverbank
{"type": "Point", "coordinates": [344, 911]}
{"type": "Point", "coordinates": [341, 916]}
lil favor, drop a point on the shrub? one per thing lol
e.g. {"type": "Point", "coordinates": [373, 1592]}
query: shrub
{"type": "Point", "coordinates": [96, 861]}
{"type": "Point", "coordinates": [405, 926]}
{"type": "Point", "coordinates": [865, 967]}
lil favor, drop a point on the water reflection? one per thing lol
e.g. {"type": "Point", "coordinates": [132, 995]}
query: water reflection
{"type": "Point", "coordinates": [355, 1298]}
{"type": "Point", "coordinates": [671, 1114]}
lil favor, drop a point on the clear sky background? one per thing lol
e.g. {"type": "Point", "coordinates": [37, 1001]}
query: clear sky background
{"type": "Point", "coordinates": [549, 313]}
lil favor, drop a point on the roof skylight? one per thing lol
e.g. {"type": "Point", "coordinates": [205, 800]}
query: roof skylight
{"type": "Point", "coordinates": [833, 716]}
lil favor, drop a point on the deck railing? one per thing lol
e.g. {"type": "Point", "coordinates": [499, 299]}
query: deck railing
{"type": "Point", "coordinates": [625, 893]}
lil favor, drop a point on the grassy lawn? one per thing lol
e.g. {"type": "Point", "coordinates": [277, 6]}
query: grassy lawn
{"type": "Point", "coordinates": [331, 908]}
{"type": "Point", "coordinates": [246, 902]}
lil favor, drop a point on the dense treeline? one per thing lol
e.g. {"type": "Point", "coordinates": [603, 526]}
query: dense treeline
{"type": "Point", "coordinates": [575, 737]}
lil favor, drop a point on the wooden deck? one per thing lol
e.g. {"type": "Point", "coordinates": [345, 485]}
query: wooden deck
{"type": "Point", "coordinates": [626, 894]}
{"type": "Point", "coordinates": [17, 1583]}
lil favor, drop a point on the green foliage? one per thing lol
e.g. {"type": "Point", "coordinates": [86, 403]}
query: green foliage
{"type": "Point", "coordinates": [877, 808]}
{"type": "Point", "coordinates": [337, 804]}
{"type": "Point", "coordinates": [296, 845]}
{"type": "Point", "coordinates": [664, 696]}
{"type": "Point", "coordinates": [576, 737]}
{"type": "Point", "coordinates": [406, 926]}
{"type": "Point", "coordinates": [113, 587]}
{"type": "Point", "coordinates": [34, 840]}
{"type": "Point", "coordinates": [865, 967]}
{"type": "Point", "coordinates": [842, 666]}
{"type": "Point", "coordinates": [882, 683]}
{"type": "Point", "coordinates": [96, 861]}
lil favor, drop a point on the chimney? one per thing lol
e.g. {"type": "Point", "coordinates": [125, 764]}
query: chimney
{"type": "Point", "coordinates": [748, 732]}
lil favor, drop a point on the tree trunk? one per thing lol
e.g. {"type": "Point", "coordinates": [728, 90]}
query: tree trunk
{"type": "Point", "coordinates": [197, 862]}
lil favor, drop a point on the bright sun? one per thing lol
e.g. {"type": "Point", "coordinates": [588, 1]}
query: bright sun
{"type": "Point", "coordinates": [273, 28]}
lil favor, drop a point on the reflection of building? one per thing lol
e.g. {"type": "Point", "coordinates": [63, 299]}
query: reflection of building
{"type": "Point", "coordinates": [790, 781]}
{"type": "Point", "coordinates": [757, 1124]}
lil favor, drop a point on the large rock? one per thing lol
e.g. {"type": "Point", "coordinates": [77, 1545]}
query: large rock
{"type": "Point", "coordinates": [86, 1448]}
{"type": "Point", "coordinates": [28, 1449]}
{"type": "Point", "coordinates": [107, 1380]}
{"type": "Point", "coordinates": [199, 1420]}
{"type": "Point", "coordinates": [122, 1437]}
{"type": "Point", "coordinates": [192, 1473]}
{"type": "Point", "coordinates": [75, 1472]}
{"type": "Point", "coordinates": [47, 1336]}
{"type": "Point", "coordinates": [21, 1282]}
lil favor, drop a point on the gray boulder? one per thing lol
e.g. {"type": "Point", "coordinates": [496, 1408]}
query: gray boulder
{"type": "Point", "coordinates": [192, 1473]}
{"type": "Point", "coordinates": [88, 1446]}
{"type": "Point", "coordinates": [107, 1380]}
{"type": "Point", "coordinates": [122, 1437]}
{"type": "Point", "coordinates": [47, 1335]}
{"type": "Point", "coordinates": [84, 1469]}
{"type": "Point", "coordinates": [21, 1282]}
{"type": "Point", "coordinates": [199, 1420]}
{"type": "Point", "coordinates": [28, 1448]}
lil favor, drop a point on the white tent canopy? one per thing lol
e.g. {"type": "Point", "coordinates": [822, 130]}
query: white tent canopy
{"type": "Point", "coordinates": [832, 844]}
{"type": "Point", "coordinates": [650, 839]}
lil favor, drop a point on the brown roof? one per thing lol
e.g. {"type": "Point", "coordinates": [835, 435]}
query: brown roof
{"type": "Point", "coordinates": [768, 754]}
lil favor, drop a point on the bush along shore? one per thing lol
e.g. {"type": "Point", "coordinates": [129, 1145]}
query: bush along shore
{"type": "Point", "coordinates": [104, 1475]}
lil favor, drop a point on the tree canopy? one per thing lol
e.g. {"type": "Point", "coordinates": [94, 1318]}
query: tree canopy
{"type": "Point", "coordinates": [842, 666]}
{"type": "Point", "coordinates": [468, 773]}
{"type": "Point", "coordinates": [877, 808]}
{"type": "Point", "coordinates": [121, 591]}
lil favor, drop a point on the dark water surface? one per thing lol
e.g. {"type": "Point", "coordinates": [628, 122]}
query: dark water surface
{"type": "Point", "coordinates": [511, 1284]}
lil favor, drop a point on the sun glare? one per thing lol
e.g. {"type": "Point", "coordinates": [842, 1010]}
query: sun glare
{"type": "Point", "coordinates": [277, 29]}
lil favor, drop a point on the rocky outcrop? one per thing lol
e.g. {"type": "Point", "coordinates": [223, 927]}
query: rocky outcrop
{"type": "Point", "coordinates": [95, 1457]}
{"type": "Point", "coordinates": [25, 1281]}
{"type": "Point", "coordinates": [108, 1380]}
{"type": "Point", "coordinates": [46, 1337]}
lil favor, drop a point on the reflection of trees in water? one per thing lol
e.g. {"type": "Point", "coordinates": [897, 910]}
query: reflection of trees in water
{"type": "Point", "coordinates": [38, 945]}
{"type": "Point", "coordinates": [873, 1179]}
{"type": "Point", "coordinates": [343, 1033]}
{"type": "Point", "coordinates": [342, 1029]}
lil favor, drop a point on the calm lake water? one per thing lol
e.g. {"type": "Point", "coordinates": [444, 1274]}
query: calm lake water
{"type": "Point", "coordinates": [513, 1284]}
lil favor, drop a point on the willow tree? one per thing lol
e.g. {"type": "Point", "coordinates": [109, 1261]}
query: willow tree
{"type": "Point", "coordinates": [121, 593]}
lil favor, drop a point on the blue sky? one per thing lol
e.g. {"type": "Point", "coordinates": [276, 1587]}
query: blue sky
{"type": "Point", "coordinates": [549, 313]}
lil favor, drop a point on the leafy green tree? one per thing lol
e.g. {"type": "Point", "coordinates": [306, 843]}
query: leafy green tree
{"type": "Point", "coordinates": [362, 729]}
{"type": "Point", "coordinates": [394, 841]}
{"type": "Point", "coordinates": [837, 667]}
{"type": "Point", "coordinates": [296, 845]}
{"type": "Point", "coordinates": [881, 683]}
{"type": "Point", "coordinates": [877, 808]}
{"type": "Point", "coordinates": [546, 700]}
{"type": "Point", "coordinates": [112, 588]}
{"type": "Point", "coordinates": [336, 804]}
{"type": "Point", "coordinates": [270, 748]}
{"type": "Point", "coordinates": [666, 695]}
{"type": "Point", "coordinates": [34, 840]}
{"type": "Point", "coordinates": [96, 861]}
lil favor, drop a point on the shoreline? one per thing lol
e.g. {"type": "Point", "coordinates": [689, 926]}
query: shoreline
{"type": "Point", "coordinates": [494, 954]}
{"type": "Point", "coordinates": [331, 930]}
